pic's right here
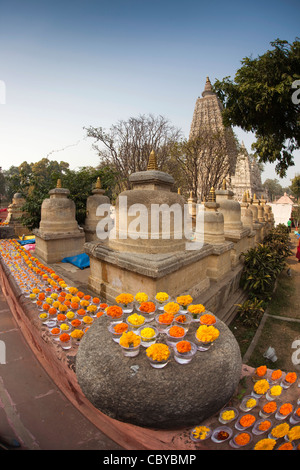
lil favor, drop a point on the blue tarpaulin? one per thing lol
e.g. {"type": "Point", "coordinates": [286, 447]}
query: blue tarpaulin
{"type": "Point", "coordinates": [26, 242]}
{"type": "Point", "coordinates": [80, 261]}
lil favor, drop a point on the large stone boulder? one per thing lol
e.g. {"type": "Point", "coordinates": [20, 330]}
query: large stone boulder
{"type": "Point", "coordinates": [131, 390]}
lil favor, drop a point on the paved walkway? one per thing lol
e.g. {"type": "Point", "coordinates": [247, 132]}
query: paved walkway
{"type": "Point", "coordinates": [32, 409]}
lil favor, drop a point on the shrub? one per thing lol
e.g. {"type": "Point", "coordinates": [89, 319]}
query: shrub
{"type": "Point", "coordinates": [250, 312]}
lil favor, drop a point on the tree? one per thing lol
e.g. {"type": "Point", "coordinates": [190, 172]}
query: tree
{"type": "Point", "coordinates": [127, 145]}
{"type": "Point", "coordinates": [295, 186]}
{"type": "Point", "coordinates": [273, 188]}
{"type": "Point", "coordinates": [260, 100]}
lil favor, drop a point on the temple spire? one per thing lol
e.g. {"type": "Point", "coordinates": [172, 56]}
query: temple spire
{"type": "Point", "coordinates": [208, 88]}
{"type": "Point", "coordinates": [152, 163]}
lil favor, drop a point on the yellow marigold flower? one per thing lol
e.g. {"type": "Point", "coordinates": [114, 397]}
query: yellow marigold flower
{"type": "Point", "coordinates": [54, 295]}
{"type": "Point", "coordinates": [87, 319]}
{"type": "Point", "coordinates": [130, 339]}
{"type": "Point", "coordinates": [200, 432]}
{"type": "Point", "coordinates": [70, 315]}
{"type": "Point", "coordinates": [281, 430]}
{"type": "Point", "coordinates": [136, 319]}
{"type": "Point", "coordinates": [64, 327]}
{"type": "Point", "coordinates": [36, 290]}
{"type": "Point", "coordinates": [265, 444]}
{"type": "Point", "coordinates": [161, 296]}
{"type": "Point", "coordinates": [276, 390]}
{"type": "Point", "coordinates": [294, 433]}
{"type": "Point", "coordinates": [158, 352]}
{"type": "Point", "coordinates": [92, 308]}
{"type": "Point", "coordinates": [147, 333]}
{"type": "Point", "coordinates": [124, 299]}
{"type": "Point", "coordinates": [43, 315]}
{"type": "Point", "coordinates": [196, 309]}
{"type": "Point", "coordinates": [251, 403]}
{"type": "Point", "coordinates": [141, 297]}
{"type": "Point", "coordinates": [32, 296]}
{"type": "Point", "coordinates": [228, 415]}
{"type": "Point", "coordinates": [49, 301]}
{"type": "Point", "coordinates": [77, 334]}
{"type": "Point", "coordinates": [184, 300]}
{"type": "Point", "coordinates": [261, 386]}
{"type": "Point", "coordinates": [171, 307]}
{"type": "Point", "coordinates": [207, 334]}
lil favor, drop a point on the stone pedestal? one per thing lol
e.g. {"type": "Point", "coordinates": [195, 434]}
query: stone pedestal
{"type": "Point", "coordinates": [92, 204]}
{"type": "Point", "coordinates": [58, 235]}
{"type": "Point", "coordinates": [247, 220]}
{"type": "Point", "coordinates": [260, 217]}
{"type": "Point", "coordinates": [257, 226]}
{"type": "Point", "coordinates": [177, 396]}
{"type": "Point", "coordinates": [234, 230]}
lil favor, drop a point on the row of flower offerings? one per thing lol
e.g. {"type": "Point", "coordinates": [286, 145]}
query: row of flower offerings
{"type": "Point", "coordinates": [273, 423]}
{"type": "Point", "coordinates": [160, 327]}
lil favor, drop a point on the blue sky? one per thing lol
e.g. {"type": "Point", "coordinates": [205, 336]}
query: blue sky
{"type": "Point", "coordinates": [71, 64]}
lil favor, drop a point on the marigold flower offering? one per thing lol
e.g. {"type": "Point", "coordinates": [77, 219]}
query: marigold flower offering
{"type": "Point", "coordinates": [228, 415]}
{"type": "Point", "coordinates": [158, 352]}
{"type": "Point", "coordinates": [264, 425]}
{"type": "Point", "coordinates": [291, 377]}
{"type": "Point", "coordinates": [147, 333]}
{"type": "Point", "coordinates": [261, 371]}
{"type": "Point", "coordinates": [270, 407]}
{"type": "Point", "coordinates": [141, 297]}
{"type": "Point", "coordinates": [208, 319]}
{"type": "Point", "coordinates": [265, 444]}
{"type": "Point", "coordinates": [130, 339]}
{"type": "Point", "coordinates": [166, 318]}
{"type": "Point", "coordinates": [172, 307]}
{"type": "Point", "coordinates": [64, 337]}
{"type": "Point", "coordinates": [184, 300]}
{"type": "Point", "coordinates": [294, 433]}
{"type": "Point", "coordinates": [136, 319]}
{"type": "Point", "coordinates": [77, 334]}
{"type": "Point", "coordinates": [276, 390]}
{"type": "Point", "coordinates": [124, 299]}
{"type": "Point", "coordinates": [147, 307]}
{"type": "Point", "coordinates": [281, 430]}
{"type": "Point", "coordinates": [250, 403]}
{"type": "Point", "coordinates": [176, 331]}
{"type": "Point", "coordinates": [196, 309]}
{"type": "Point", "coordinates": [276, 374]}
{"type": "Point", "coordinates": [120, 328]}
{"type": "Point", "coordinates": [114, 311]}
{"type": "Point", "coordinates": [286, 409]}
{"type": "Point", "coordinates": [242, 439]}
{"type": "Point", "coordinates": [261, 386]}
{"type": "Point", "coordinates": [200, 432]}
{"type": "Point", "coordinates": [55, 331]}
{"type": "Point", "coordinates": [207, 333]}
{"type": "Point", "coordinates": [183, 347]}
{"type": "Point", "coordinates": [247, 420]}
{"type": "Point", "coordinates": [162, 297]}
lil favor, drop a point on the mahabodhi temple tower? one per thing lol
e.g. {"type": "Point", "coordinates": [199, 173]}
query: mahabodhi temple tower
{"type": "Point", "coordinates": [221, 156]}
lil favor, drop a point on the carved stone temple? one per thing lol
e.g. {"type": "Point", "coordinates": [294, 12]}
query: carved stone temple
{"type": "Point", "coordinates": [231, 161]}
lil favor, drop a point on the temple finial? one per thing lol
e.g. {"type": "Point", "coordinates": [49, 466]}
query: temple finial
{"type": "Point", "coordinates": [212, 195]}
{"type": "Point", "coordinates": [98, 183]}
{"type": "Point", "coordinates": [179, 191]}
{"type": "Point", "coordinates": [58, 184]}
{"type": "Point", "coordinates": [152, 163]}
{"type": "Point", "coordinates": [207, 88]}
{"type": "Point", "coordinates": [224, 184]}
{"type": "Point", "coordinates": [245, 198]}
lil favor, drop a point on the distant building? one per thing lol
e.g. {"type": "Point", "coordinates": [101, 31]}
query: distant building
{"type": "Point", "coordinates": [240, 170]}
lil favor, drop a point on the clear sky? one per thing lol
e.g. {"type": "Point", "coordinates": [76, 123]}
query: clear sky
{"type": "Point", "coordinates": [71, 64]}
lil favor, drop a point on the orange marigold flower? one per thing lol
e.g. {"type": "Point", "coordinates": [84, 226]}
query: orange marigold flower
{"type": "Point", "coordinates": [61, 317]}
{"type": "Point", "coordinates": [76, 322]}
{"type": "Point", "coordinates": [208, 319]}
{"type": "Point", "coordinates": [291, 377]}
{"type": "Point", "coordinates": [41, 296]}
{"type": "Point", "coordinates": [147, 307]}
{"type": "Point", "coordinates": [242, 439]}
{"type": "Point", "coordinates": [120, 328]}
{"type": "Point", "coordinates": [264, 425]}
{"type": "Point", "coordinates": [87, 297]}
{"type": "Point", "coordinates": [67, 303]}
{"type": "Point", "coordinates": [270, 407]}
{"type": "Point", "coordinates": [286, 409]}
{"type": "Point", "coordinates": [247, 420]}
{"type": "Point", "coordinates": [46, 307]}
{"type": "Point", "coordinates": [81, 312]}
{"type": "Point", "coordinates": [103, 306]}
{"type": "Point", "coordinates": [286, 446]}
{"type": "Point", "coordinates": [55, 331]}
{"type": "Point", "coordinates": [96, 300]}
{"type": "Point", "coordinates": [52, 311]}
{"type": "Point", "coordinates": [176, 331]}
{"type": "Point", "coordinates": [261, 371]}
{"type": "Point", "coordinates": [276, 374]}
{"type": "Point", "coordinates": [181, 318]}
{"type": "Point", "coordinates": [166, 318]}
{"type": "Point", "coordinates": [183, 346]}
{"type": "Point", "coordinates": [74, 305]}
{"type": "Point", "coordinates": [114, 311]}
{"type": "Point", "coordinates": [64, 337]}
{"type": "Point", "coordinates": [298, 412]}
{"type": "Point", "coordinates": [80, 294]}
{"type": "Point", "coordinates": [99, 314]}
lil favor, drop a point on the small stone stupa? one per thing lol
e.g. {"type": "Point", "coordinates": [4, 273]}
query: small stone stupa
{"type": "Point", "coordinates": [14, 214]}
{"type": "Point", "coordinates": [58, 235]}
{"type": "Point", "coordinates": [92, 219]}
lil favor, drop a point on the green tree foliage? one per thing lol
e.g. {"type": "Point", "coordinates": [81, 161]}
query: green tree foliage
{"type": "Point", "coordinates": [295, 186]}
{"type": "Point", "coordinates": [259, 100]}
{"type": "Point", "coordinates": [273, 188]}
{"type": "Point", "coordinates": [35, 180]}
